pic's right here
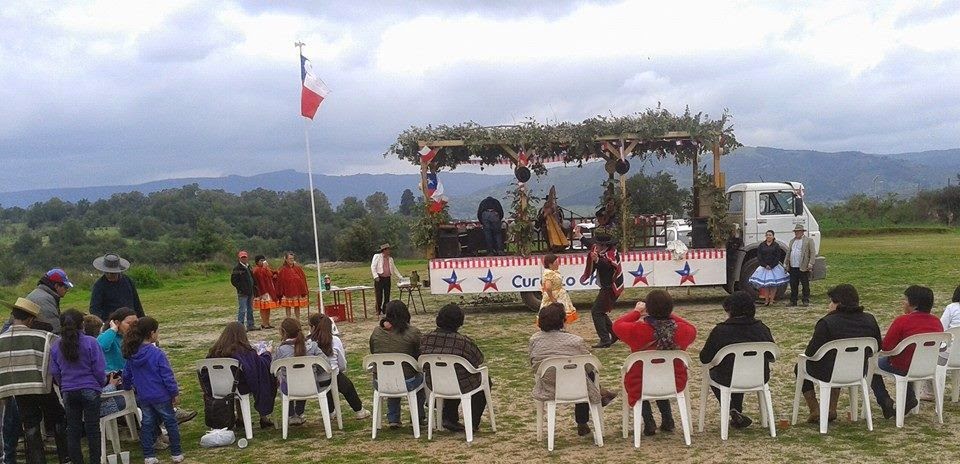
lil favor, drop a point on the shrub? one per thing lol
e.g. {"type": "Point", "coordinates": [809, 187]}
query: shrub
{"type": "Point", "coordinates": [145, 276]}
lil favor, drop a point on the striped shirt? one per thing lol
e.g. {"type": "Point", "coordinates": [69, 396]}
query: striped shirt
{"type": "Point", "coordinates": [24, 361]}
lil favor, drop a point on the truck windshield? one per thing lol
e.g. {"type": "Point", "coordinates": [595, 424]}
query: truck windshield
{"type": "Point", "coordinates": [736, 202]}
{"type": "Point", "coordinates": [776, 203]}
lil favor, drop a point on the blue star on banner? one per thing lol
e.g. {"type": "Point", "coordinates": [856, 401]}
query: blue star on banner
{"type": "Point", "coordinates": [489, 282]}
{"type": "Point", "coordinates": [685, 274]}
{"type": "Point", "coordinates": [453, 283]}
{"type": "Point", "coordinates": [639, 276]}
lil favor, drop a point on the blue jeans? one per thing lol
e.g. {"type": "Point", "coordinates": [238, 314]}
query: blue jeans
{"type": "Point", "coordinates": [152, 415]}
{"type": "Point", "coordinates": [393, 404]}
{"type": "Point", "coordinates": [245, 308]}
{"type": "Point", "coordinates": [11, 431]}
{"type": "Point", "coordinates": [492, 231]}
{"type": "Point", "coordinates": [880, 390]}
{"type": "Point", "coordinates": [83, 418]}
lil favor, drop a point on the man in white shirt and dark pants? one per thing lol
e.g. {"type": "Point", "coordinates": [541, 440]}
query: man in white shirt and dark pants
{"type": "Point", "coordinates": [383, 268]}
{"type": "Point", "coordinates": [800, 258]}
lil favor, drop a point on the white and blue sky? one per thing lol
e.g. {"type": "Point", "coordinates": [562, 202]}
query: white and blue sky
{"type": "Point", "coordinates": [122, 92]}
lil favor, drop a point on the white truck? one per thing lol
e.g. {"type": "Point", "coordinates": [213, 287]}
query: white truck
{"type": "Point", "coordinates": [754, 209]}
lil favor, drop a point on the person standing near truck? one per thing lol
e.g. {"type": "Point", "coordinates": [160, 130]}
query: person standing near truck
{"type": "Point", "coordinates": [800, 257]}
{"type": "Point", "coordinates": [770, 275]}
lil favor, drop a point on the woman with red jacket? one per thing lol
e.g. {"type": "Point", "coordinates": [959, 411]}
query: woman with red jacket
{"type": "Point", "coordinates": [292, 285]}
{"type": "Point", "coordinates": [653, 326]}
{"type": "Point", "coordinates": [268, 299]}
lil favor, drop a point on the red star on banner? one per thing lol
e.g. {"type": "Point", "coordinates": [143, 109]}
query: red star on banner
{"type": "Point", "coordinates": [685, 274]}
{"type": "Point", "coordinates": [489, 282]}
{"type": "Point", "coordinates": [453, 283]}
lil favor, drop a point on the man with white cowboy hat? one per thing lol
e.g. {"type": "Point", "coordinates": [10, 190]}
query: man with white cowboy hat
{"type": "Point", "coordinates": [25, 377]}
{"type": "Point", "coordinates": [800, 258]}
{"type": "Point", "coordinates": [383, 268]}
{"type": "Point", "coordinates": [113, 290]}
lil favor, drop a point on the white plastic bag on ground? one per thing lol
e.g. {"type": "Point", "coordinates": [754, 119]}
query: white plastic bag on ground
{"type": "Point", "coordinates": [217, 437]}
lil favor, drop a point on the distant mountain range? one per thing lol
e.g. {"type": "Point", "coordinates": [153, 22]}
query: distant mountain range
{"type": "Point", "coordinates": [828, 177]}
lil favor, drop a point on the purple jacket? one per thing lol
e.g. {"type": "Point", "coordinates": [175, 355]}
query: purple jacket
{"type": "Point", "coordinates": [85, 373]}
{"type": "Point", "coordinates": [148, 372]}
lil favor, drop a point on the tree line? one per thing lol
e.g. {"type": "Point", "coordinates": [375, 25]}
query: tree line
{"type": "Point", "coordinates": [190, 224]}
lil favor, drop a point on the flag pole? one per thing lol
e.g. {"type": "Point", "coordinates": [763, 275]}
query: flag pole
{"type": "Point", "coordinates": [313, 204]}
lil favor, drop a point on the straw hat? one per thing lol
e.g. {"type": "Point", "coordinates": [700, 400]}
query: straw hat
{"type": "Point", "coordinates": [799, 227]}
{"type": "Point", "coordinates": [24, 304]}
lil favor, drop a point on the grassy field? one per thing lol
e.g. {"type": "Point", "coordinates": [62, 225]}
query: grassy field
{"type": "Point", "coordinates": [192, 309]}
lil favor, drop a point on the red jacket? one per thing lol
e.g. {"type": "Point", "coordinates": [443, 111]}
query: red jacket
{"type": "Point", "coordinates": [904, 326]}
{"type": "Point", "coordinates": [292, 282]}
{"type": "Point", "coordinates": [264, 278]}
{"type": "Point", "coordinates": [638, 335]}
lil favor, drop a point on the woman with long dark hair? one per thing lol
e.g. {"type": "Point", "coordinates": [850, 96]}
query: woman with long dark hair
{"type": "Point", "coordinates": [321, 332]}
{"type": "Point", "coordinates": [255, 377]}
{"type": "Point", "coordinates": [294, 343]}
{"type": "Point", "coordinates": [770, 274]}
{"type": "Point", "coordinates": [78, 367]}
{"type": "Point", "coordinates": [396, 335]}
{"type": "Point", "coordinates": [148, 372]}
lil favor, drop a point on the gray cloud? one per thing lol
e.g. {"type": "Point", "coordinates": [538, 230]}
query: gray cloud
{"type": "Point", "coordinates": [183, 103]}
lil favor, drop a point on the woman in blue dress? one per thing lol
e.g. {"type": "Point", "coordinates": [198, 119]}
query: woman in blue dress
{"type": "Point", "coordinates": [770, 275]}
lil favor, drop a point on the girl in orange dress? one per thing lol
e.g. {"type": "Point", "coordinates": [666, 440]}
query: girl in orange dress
{"type": "Point", "coordinates": [292, 286]}
{"type": "Point", "coordinates": [268, 299]}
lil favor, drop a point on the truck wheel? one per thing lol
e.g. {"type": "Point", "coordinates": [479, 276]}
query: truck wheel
{"type": "Point", "coordinates": [532, 300]}
{"type": "Point", "coordinates": [747, 270]}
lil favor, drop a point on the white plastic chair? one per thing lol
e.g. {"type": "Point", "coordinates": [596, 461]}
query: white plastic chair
{"type": "Point", "coordinates": [748, 366]}
{"type": "Point", "coordinates": [659, 383]}
{"type": "Point", "coordinates": [923, 366]}
{"type": "Point", "coordinates": [851, 354]}
{"type": "Point", "coordinates": [570, 387]}
{"type": "Point", "coordinates": [222, 373]}
{"type": "Point", "coordinates": [302, 385]}
{"type": "Point", "coordinates": [445, 385]}
{"type": "Point", "coordinates": [391, 383]}
{"type": "Point", "coordinates": [108, 423]}
{"type": "Point", "coordinates": [953, 365]}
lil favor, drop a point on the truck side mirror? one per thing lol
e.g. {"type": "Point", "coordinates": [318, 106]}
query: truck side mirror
{"type": "Point", "coordinates": [797, 206]}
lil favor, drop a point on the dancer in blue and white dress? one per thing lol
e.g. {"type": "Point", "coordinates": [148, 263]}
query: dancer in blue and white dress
{"type": "Point", "coordinates": [770, 275]}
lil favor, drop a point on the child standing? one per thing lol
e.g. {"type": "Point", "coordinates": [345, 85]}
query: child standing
{"type": "Point", "coordinates": [77, 365]}
{"type": "Point", "coordinates": [295, 344]}
{"type": "Point", "coordinates": [149, 373]}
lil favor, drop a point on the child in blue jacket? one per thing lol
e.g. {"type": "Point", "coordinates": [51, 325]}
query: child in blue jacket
{"type": "Point", "coordinates": [149, 373]}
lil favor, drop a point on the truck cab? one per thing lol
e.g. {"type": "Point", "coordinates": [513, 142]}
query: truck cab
{"type": "Point", "coordinates": [756, 207]}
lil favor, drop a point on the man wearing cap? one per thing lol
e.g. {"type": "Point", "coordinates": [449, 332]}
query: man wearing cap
{"type": "Point", "coordinates": [383, 268]}
{"type": "Point", "coordinates": [25, 377]}
{"type": "Point", "coordinates": [50, 289]}
{"type": "Point", "coordinates": [113, 290]}
{"type": "Point", "coordinates": [799, 261]}
{"type": "Point", "coordinates": [242, 280]}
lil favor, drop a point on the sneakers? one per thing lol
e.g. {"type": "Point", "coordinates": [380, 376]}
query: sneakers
{"type": "Point", "coordinates": [362, 414]}
{"type": "Point", "coordinates": [603, 345]}
{"type": "Point", "coordinates": [178, 458]}
{"type": "Point", "coordinates": [151, 461]}
{"type": "Point", "coordinates": [184, 415]}
{"type": "Point", "coordinates": [738, 420]}
{"type": "Point", "coordinates": [297, 420]}
{"type": "Point", "coordinates": [394, 425]}
{"type": "Point", "coordinates": [889, 409]}
{"type": "Point", "coordinates": [265, 422]}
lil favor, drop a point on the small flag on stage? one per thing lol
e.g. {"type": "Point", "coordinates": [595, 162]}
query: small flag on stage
{"type": "Point", "coordinates": [313, 91]}
{"type": "Point", "coordinates": [426, 155]}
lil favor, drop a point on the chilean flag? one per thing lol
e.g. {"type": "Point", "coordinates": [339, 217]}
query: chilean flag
{"type": "Point", "coordinates": [313, 91]}
{"type": "Point", "coordinates": [436, 198]}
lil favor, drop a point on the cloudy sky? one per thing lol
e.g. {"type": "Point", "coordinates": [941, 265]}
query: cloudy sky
{"type": "Point", "coordinates": [105, 93]}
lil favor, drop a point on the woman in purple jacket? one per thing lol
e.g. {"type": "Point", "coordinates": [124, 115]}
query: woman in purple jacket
{"type": "Point", "coordinates": [78, 367]}
{"type": "Point", "coordinates": [255, 377]}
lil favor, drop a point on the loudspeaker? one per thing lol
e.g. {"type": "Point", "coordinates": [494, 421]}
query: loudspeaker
{"type": "Point", "coordinates": [448, 246]}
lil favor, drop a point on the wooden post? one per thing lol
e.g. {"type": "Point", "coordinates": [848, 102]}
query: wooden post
{"type": "Point", "coordinates": [717, 178]}
{"type": "Point", "coordinates": [696, 190]}
{"type": "Point", "coordinates": [624, 246]}
{"type": "Point", "coordinates": [431, 251]}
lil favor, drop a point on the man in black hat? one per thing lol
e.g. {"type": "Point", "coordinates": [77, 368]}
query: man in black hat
{"type": "Point", "coordinates": [113, 290]}
{"type": "Point", "coordinates": [490, 215]}
{"type": "Point", "coordinates": [383, 268]}
{"type": "Point", "coordinates": [605, 259]}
